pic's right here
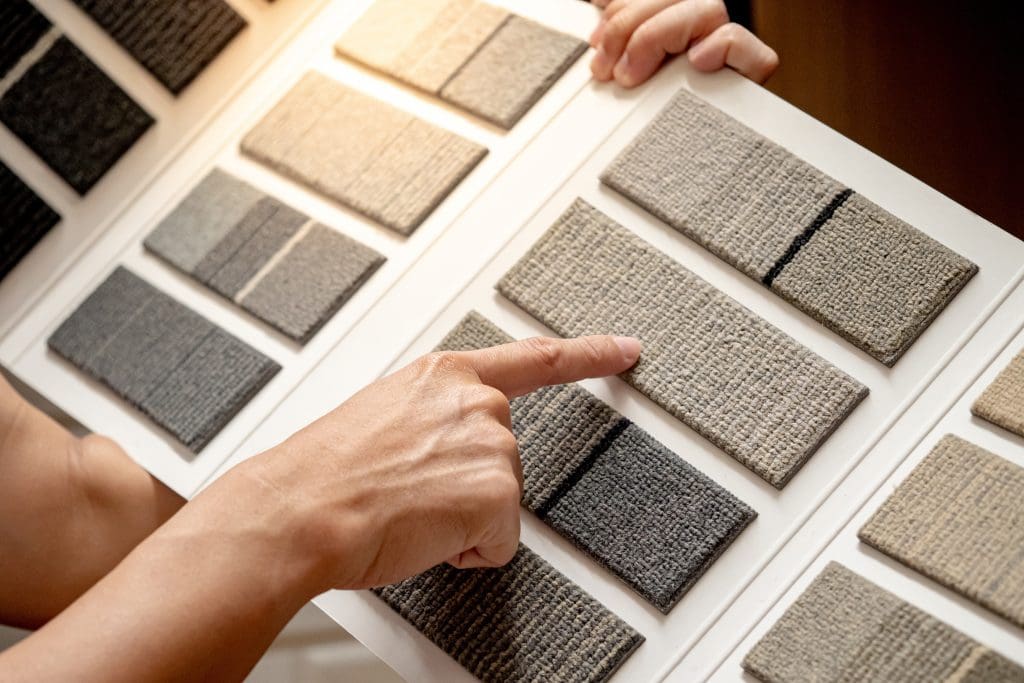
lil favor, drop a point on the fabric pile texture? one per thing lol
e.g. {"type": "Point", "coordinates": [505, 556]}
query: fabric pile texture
{"type": "Point", "coordinates": [958, 518]}
{"type": "Point", "coordinates": [482, 58]}
{"type": "Point", "coordinates": [382, 162]}
{"type": "Point", "coordinates": [1002, 402]}
{"type": "Point", "coordinates": [270, 259]}
{"type": "Point", "coordinates": [845, 629]}
{"type": "Point", "coordinates": [521, 622]}
{"type": "Point", "coordinates": [750, 389]}
{"type": "Point", "coordinates": [24, 220]}
{"type": "Point", "coordinates": [857, 269]}
{"type": "Point", "coordinates": [186, 374]}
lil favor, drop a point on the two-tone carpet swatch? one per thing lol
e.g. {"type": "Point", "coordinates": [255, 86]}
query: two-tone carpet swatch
{"type": "Point", "coordinates": [521, 622]}
{"type": "Point", "coordinates": [24, 220]}
{"type": "Point", "coordinates": [378, 160]}
{"type": "Point", "coordinates": [270, 259]}
{"type": "Point", "coordinates": [958, 518]}
{"type": "Point", "coordinates": [1002, 402]}
{"type": "Point", "coordinates": [174, 40]}
{"type": "Point", "coordinates": [862, 272]}
{"type": "Point", "coordinates": [185, 373]}
{"type": "Point", "coordinates": [62, 105]}
{"type": "Point", "coordinates": [845, 629]}
{"type": "Point", "coordinates": [596, 478]}
{"type": "Point", "coordinates": [750, 389]}
{"type": "Point", "coordinates": [484, 59]}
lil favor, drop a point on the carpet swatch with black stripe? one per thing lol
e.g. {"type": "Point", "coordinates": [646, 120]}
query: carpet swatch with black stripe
{"type": "Point", "coordinates": [24, 220]}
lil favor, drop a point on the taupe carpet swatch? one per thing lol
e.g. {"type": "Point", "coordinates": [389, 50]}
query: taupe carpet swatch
{"type": "Point", "coordinates": [862, 272]}
{"type": "Point", "coordinates": [610, 488]}
{"type": "Point", "coordinates": [521, 622]}
{"type": "Point", "coordinates": [186, 374]}
{"type": "Point", "coordinates": [382, 162]}
{"type": "Point", "coordinates": [744, 385]}
{"type": "Point", "coordinates": [844, 628]}
{"type": "Point", "coordinates": [479, 57]}
{"type": "Point", "coordinates": [24, 220]}
{"type": "Point", "coordinates": [959, 519]}
{"type": "Point", "coordinates": [1002, 402]}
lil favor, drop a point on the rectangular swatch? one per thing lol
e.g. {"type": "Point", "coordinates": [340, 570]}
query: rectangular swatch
{"type": "Point", "coordinates": [521, 622]}
{"type": "Point", "coordinates": [610, 488]}
{"type": "Point", "coordinates": [21, 27]}
{"type": "Point", "coordinates": [1002, 402]}
{"type": "Point", "coordinates": [860, 271]}
{"type": "Point", "coordinates": [958, 518]}
{"type": "Point", "coordinates": [175, 41]}
{"type": "Point", "coordinates": [845, 629]}
{"type": "Point", "coordinates": [270, 259]}
{"type": "Point", "coordinates": [24, 220]}
{"type": "Point", "coordinates": [744, 385]}
{"type": "Point", "coordinates": [382, 162]}
{"type": "Point", "coordinates": [182, 371]}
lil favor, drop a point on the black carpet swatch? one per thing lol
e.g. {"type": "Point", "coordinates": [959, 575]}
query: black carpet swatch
{"type": "Point", "coordinates": [20, 27]}
{"type": "Point", "coordinates": [24, 219]}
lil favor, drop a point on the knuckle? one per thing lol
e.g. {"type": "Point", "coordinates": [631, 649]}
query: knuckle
{"type": "Point", "coordinates": [437, 363]}
{"type": "Point", "coordinates": [715, 10]}
{"type": "Point", "coordinates": [548, 352]}
{"type": "Point", "coordinates": [617, 30]}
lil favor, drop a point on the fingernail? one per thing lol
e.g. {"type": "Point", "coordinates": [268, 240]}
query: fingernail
{"type": "Point", "coordinates": [601, 66]}
{"type": "Point", "coordinates": [621, 71]}
{"type": "Point", "coordinates": [630, 347]}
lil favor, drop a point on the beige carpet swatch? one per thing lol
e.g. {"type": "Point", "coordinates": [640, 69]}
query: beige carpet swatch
{"type": "Point", "coordinates": [959, 519]}
{"type": "Point", "coordinates": [1002, 403]}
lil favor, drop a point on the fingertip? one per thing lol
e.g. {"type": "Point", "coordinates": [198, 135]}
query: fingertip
{"type": "Point", "coordinates": [630, 348]}
{"type": "Point", "coordinates": [601, 65]}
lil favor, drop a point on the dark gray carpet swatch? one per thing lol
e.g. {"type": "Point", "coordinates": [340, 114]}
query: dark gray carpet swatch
{"type": "Point", "coordinates": [959, 519]}
{"type": "Point", "coordinates": [24, 220]}
{"type": "Point", "coordinates": [750, 389]}
{"type": "Point", "coordinates": [72, 115]}
{"type": "Point", "coordinates": [615, 492]}
{"type": "Point", "coordinates": [187, 375]}
{"type": "Point", "coordinates": [845, 629]}
{"type": "Point", "coordinates": [862, 272]}
{"type": "Point", "coordinates": [20, 27]}
{"type": "Point", "coordinates": [521, 622]}
{"type": "Point", "coordinates": [174, 40]}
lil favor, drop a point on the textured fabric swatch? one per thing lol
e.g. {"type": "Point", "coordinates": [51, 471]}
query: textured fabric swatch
{"type": "Point", "coordinates": [361, 152]}
{"type": "Point", "coordinates": [959, 519]}
{"type": "Point", "coordinates": [72, 115]}
{"type": "Point", "coordinates": [20, 27]}
{"type": "Point", "coordinates": [596, 478]}
{"type": "Point", "coordinates": [187, 375]}
{"type": "Point", "coordinates": [1002, 402]}
{"type": "Point", "coordinates": [174, 40]}
{"type": "Point", "coordinates": [744, 385]}
{"type": "Point", "coordinates": [24, 219]}
{"type": "Point", "coordinates": [860, 271]}
{"type": "Point", "coordinates": [521, 622]}
{"type": "Point", "coordinates": [845, 629]}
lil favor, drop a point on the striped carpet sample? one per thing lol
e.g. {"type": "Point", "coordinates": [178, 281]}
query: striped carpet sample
{"type": "Point", "coordinates": [845, 629]}
{"type": "Point", "coordinates": [182, 371]}
{"type": "Point", "coordinates": [174, 40]}
{"type": "Point", "coordinates": [24, 220]}
{"type": "Point", "coordinates": [479, 57]}
{"type": "Point", "coordinates": [382, 162]}
{"type": "Point", "coordinates": [746, 386]}
{"type": "Point", "coordinates": [857, 269]}
{"type": "Point", "coordinates": [958, 518]}
{"type": "Point", "coordinates": [610, 488]}
{"type": "Point", "coordinates": [1002, 402]}
{"type": "Point", "coordinates": [521, 622]}
{"type": "Point", "coordinates": [275, 262]}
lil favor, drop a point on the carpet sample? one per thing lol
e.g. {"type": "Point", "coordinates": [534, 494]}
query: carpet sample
{"type": "Point", "coordinates": [857, 269]}
{"type": "Point", "coordinates": [21, 27]}
{"type": "Point", "coordinates": [610, 488]}
{"type": "Point", "coordinates": [183, 372]}
{"type": "Point", "coordinates": [1002, 402]}
{"type": "Point", "coordinates": [173, 40]}
{"type": "Point", "coordinates": [24, 220]}
{"type": "Point", "coordinates": [958, 518]}
{"type": "Point", "coordinates": [844, 628]}
{"type": "Point", "coordinates": [521, 622]}
{"type": "Point", "coordinates": [747, 387]}
{"type": "Point", "coordinates": [382, 162]}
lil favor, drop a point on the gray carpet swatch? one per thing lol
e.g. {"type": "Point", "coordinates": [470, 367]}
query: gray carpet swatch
{"type": "Point", "coordinates": [611, 489]}
{"type": "Point", "coordinates": [521, 622]}
{"type": "Point", "coordinates": [174, 40]}
{"type": "Point", "coordinates": [845, 629]}
{"type": "Point", "coordinates": [1002, 402]}
{"type": "Point", "coordinates": [187, 375]}
{"type": "Point", "coordinates": [382, 162]}
{"type": "Point", "coordinates": [20, 27]}
{"type": "Point", "coordinates": [862, 272]}
{"type": "Point", "coordinates": [959, 519]}
{"type": "Point", "coordinates": [744, 385]}
{"type": "Point", "coordinates": [24, 220]}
